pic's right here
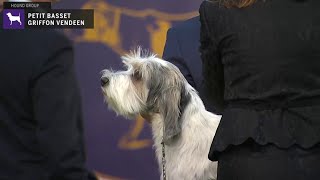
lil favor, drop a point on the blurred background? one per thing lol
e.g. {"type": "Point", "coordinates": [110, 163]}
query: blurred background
{"type": "Point", "coordinates": [119, 148]}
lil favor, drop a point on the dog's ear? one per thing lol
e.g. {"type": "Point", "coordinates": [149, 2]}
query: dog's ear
{"type": "Point", "coordinates": [171, 113]}
{"type": "Point", "coordinates": [171, 103]}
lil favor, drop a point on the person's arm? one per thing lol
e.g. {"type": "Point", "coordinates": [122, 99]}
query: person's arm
{"type": "Point", "coordinates": [57, 111]}
{"type": "Point", "coordinates": [212, 67]}
{"type": "Point", "coordinates": [173, 54]}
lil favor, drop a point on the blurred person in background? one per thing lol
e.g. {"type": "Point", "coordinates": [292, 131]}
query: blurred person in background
{"type": "Point", "coordinates": [41, 131]}
{"type": "Point", "coordinates": [182, 49]}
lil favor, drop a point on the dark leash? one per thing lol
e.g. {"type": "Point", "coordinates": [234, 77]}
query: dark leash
{"type": "Point", "coordinates": [164, 175]}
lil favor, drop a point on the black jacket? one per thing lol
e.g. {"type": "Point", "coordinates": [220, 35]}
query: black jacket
{"type": "Point", "coordinates": [41, 133]}
{"type": "Point", "coordinates": [263, 64]}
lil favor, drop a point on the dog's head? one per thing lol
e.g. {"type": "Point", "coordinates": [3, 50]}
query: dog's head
{"type": "Point", "coordinates": [148, 85]}
{"type": "Point", "coordinates": [9, 14]}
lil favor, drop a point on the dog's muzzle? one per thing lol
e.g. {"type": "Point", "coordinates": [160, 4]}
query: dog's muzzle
{"type": "Point", "coordinates": [104, 81]}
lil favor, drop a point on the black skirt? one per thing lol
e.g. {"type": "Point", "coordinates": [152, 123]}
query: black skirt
{"type": "Point", "coordinates": [251, 161]}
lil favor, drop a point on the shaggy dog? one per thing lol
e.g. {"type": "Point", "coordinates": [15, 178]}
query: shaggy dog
{"type": "Point", "coordinates": [152, 86]}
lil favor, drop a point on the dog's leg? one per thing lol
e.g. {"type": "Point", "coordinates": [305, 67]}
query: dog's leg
{"type": "Point", "coordinates": [10, 23]}
{"type": "Point", "coordinates": [20, 22]}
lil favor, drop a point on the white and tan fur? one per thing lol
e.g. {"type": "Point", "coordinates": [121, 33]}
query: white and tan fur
{"type": "Point", "coordinates": [187, 131]}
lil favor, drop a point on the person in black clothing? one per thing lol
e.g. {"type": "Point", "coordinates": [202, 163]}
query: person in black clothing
{"type": "Point", "coordinates": [261, 63]}
{"type": "Point", "coordinates": [41, 131]}
{"type": "Point", "coordinates": [181, 49]}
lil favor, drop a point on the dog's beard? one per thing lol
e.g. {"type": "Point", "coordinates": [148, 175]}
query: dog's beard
{"type": "Point", "coordinates": [123, 99]}
{"type": "Point", "coordinates": [119, 109]}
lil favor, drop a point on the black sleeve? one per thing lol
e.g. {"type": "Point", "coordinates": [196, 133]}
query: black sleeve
{"type": "Point", "coordinates": [212, 67]}
{"type": "Point", "coordinates": [173, 54]}
{"type": "Point", "coordinates": [57, 111]}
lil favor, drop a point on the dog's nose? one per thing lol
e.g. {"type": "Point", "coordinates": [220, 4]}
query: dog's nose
{"type": "Point", "coordinates": [104, 81]}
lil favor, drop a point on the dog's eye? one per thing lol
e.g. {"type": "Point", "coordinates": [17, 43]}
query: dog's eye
{"type": "Point", "coordinates": [136, 75]}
